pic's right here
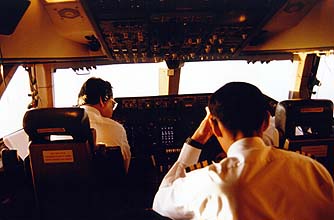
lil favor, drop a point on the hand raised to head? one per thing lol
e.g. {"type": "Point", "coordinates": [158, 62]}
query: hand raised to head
{"type": "Point", "coordinates": [204, 131]}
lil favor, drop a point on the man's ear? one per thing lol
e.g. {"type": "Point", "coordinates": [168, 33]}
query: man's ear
{"type": "Point", "coordinates": [102, 103]}
{"type": "Point", "coordinates": [215, 127]}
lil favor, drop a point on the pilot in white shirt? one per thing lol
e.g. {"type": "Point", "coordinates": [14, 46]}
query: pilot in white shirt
{"type": "Point", "coordinates": [254, 181]}
{"type": "Point", "coordinates": [96, 98]}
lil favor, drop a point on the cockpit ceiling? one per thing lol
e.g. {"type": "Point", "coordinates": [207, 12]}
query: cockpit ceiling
{"type": "Point", "coordinates": [156, 30]}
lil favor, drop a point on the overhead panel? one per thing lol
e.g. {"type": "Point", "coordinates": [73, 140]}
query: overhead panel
{"type": "Point", "coordinates": [157, 30]}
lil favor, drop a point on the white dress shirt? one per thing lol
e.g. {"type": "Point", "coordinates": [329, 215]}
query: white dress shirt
{"type": "Point", "coordinates": [255, 181]}
{"type": "Point", "coordinates": [271, 135]}
{"type": "Point", "coordinates": [109, 132]}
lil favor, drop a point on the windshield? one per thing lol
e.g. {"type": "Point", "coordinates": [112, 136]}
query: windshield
{"type": "Point", "coordinates": [126, 79]}
{"type": "Point", "coordinates": [275, 79]}
{"type": "Point", "coordinates": [129, 80]}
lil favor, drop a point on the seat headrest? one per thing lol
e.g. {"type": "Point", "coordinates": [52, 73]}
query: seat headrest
{"type": "Point", "coordinates": [315, 115]}
{"type": "Point", "coordinates": [41, 123]}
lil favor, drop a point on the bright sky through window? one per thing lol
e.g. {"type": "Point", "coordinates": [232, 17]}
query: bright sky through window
{"type": "Point", "coordinates": [275, 79]}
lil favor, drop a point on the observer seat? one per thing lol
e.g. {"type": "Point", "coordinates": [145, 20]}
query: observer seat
{"type": "Point", "coordinates": [305, 125]}
{"type": "Point", "coordinates": [61, 144]}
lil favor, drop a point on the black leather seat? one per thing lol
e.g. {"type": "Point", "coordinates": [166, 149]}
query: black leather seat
{"type": "Point", "coordinates": [61, 161]}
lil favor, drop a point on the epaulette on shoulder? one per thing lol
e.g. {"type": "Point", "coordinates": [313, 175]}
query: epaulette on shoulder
{"type": "Point", "coordinates": [299, 152]}
{"type": "Point", "coordinates": [305, 154]}
{"type": "Point", "coordinates": [198, 165]}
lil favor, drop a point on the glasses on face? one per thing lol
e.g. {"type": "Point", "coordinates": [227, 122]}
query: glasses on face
{"type": "Point", "coordinates": [114, 103]}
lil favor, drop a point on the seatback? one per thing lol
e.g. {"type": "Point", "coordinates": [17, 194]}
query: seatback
{"type": "Point", "coordinates": [306, 126]}
{"type": "Point", "coordinates": [313, 117]}
{"type": "Point", "coordinates": [61, 143]}
{"type": "Point", "coordinates": [109, 165]}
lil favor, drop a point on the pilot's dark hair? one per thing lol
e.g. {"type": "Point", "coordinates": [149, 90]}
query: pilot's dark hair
{"type": "Point", "coordinates": [239, 106]}
{"type": "Point", "coordinates": [94, 89]}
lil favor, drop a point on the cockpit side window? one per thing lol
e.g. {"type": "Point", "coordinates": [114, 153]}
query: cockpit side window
{"type": "Point", "coordinates": [14, 102]}
{"type": "Point", "coordinates": [325, 75]}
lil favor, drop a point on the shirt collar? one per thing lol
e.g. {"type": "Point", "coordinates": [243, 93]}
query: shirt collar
{"type": "Point", "coordinates": [91, 109]}
{"type": "Point", "coordinates": [245, 144]}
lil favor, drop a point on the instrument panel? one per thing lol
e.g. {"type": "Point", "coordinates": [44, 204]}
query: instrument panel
{"type": "Point", "coordinates": [157, 126]}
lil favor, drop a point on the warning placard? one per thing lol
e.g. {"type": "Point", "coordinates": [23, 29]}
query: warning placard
{"type": "Point", "coordinates": [58, 156]}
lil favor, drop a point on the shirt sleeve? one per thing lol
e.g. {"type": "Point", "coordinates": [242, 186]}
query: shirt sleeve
{"type": "Point", "coordinates": [170, 200]}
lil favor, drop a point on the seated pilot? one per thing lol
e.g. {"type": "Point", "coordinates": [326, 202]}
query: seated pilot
{"type": "Point", "coordinates": [96, 97]}
{"type": "Point", "coordinates": [254, 181]}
